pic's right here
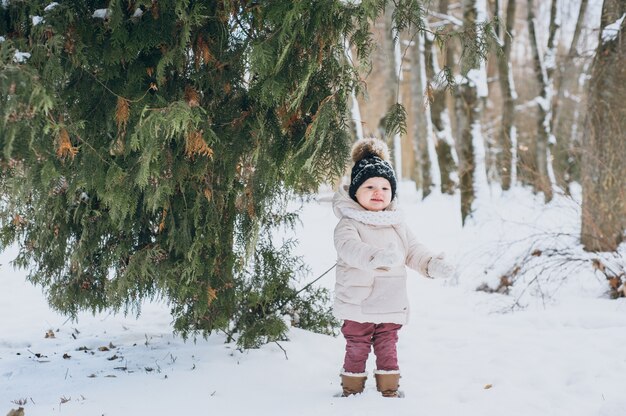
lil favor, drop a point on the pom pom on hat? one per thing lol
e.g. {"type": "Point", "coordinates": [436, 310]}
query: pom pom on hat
{"type": "Point", "coordinates": [369, 147]}
{"type": "Point", "coordinates": [370, 157]}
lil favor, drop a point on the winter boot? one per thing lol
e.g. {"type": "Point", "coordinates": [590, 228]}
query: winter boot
{"type": "Point", "coordinates": [352, 383]}
{"type": "Point", "coordinates": [387, 382]}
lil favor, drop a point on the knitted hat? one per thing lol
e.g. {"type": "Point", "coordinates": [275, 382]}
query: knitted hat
{"type": "Point", "coordinates": [370, 157]}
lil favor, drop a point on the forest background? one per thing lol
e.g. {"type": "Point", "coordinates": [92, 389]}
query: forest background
{"type": "Point", "coordinates": [532, 118]}
{"type": "Point", "coordinates": [150, 148]}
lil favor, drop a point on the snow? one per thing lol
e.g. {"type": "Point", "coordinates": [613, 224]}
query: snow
{"type": "Point", "coordinates": [445, 19]}
{"type": "Point", "coordinates": [50, 6]}
{"type": "Point", "coordinates": [480, 171]}
{"type": "Point", "coordinates": [550, 59]}
{"type": "Point", "coordinates": [20, 57]}
{"type": "Point", "coordinates": [555, 352]}
{"type": "Point", "coordinates": [101, 14]}
{"type": "Point", "coordinates": [2, 39]}
{"type": "Point", "coordinates": [354, 110]}
{"type": "Point", "coordinates": [432, 134]}
{"type": "Point", "coordinates": [479, 78]}
{"type": "Point", "coordinates": [481, 10]}
{"type": "Point", "coordinates": [36, 20]}
{"type": "Point", "coordinates": [397, 155]}
{"type": "Point", "coordinates": [397, 53]}
{"type": "Point", "coordinates": [513, 137]}
{"type": "Point", "coordinates": [138, 13]}
{"type": "Point", "coordinates": [610, 32]}
{"type": "Point", "coordinates": [512, 83]}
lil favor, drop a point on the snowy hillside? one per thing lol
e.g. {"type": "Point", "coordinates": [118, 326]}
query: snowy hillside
{"type": "Point", "coordinates": [552, 346]}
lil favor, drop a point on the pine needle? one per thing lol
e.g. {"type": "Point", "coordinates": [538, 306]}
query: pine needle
{"type": "Point", "coordinates": [122, 113]}
{"type": "Point", "coordinates": [64, 145]}
{"type": "Point", "coordinates": [195, 145]}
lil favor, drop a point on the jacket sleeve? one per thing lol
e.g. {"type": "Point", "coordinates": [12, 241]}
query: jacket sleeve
{"type": "Point", "coordinates": [351, 249]}
{"type": "Point", "coordinates": [418, 256]}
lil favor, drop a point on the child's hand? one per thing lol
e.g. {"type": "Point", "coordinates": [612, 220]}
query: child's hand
{"type": "Point", "coordinates": [386, 258]}
{"type": "Point", "coordinates": [438, 268]}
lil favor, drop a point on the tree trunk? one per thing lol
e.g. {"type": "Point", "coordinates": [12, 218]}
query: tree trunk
{"type": "Point", "coordinates": [564, 110]}
{"type": "Point", "coordinates": [442, 124]}
{"type": "Point", "coordinates": [550, 61]}
{"type": "Point", "coordinates": [422, 168]}
{"type": "Point", "coordinates": [509, 97]}
{"type": "Point", "coordinates": [393, 86]}
{"type": "Point", "coordinates": [450, 47]}
{"type": "Point", "coordinates": [604, 147]}
{"type": "Point", "coordinates": [465, 106]}
{"type": "Point", "coordinates": [496, 12]}
{"type": "Point", "coordinates": [541, 181]}
{"type": "Point", "coordinates": [470, 148]}
{"type": "Point", "coordinates": [440, 120]}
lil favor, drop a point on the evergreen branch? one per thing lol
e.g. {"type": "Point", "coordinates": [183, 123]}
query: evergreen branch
{"type": "Point", "coordinates": [249, 35]}
{"type": "Point", "coordinates": [305, 287]}
{"type": "Point", "coordinates": [230, 334]}
{"type": "Point", "coordinates": [395, 120]}
{"type": "Point", "coordinates": [114, 93]}
{"type": "Point", "coordinates": [86, 143]}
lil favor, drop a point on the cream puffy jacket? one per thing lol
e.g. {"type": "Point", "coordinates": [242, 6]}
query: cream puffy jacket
{"type": "Point", "coordinates": [363, 293]}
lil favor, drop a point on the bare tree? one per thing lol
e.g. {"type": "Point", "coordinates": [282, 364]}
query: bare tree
{"type": "Point", "coordinates": [380, 80]}
{"type": "Point", "coordinates": [541, 179]}
{"type": "Point", "coordinates": [442, 125]}
{"type": "Point", "coordinates": [421, 173]}
{"type": "Point", "coordinates": [393, 84]}
{"type": "Point", "coordinates": [565, 108]}
{"type": "Point", "coordinates": [550, 61]}
{"type": "Point", "coordinates": [468, 106]}
{"type": "Point", "coordinates": [509, 97]}
{"type": "Point", "coordinates": [604, 146]}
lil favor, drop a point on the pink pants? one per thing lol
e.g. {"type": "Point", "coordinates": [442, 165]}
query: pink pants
{"type": "Point", "coordinates": [361, 336]}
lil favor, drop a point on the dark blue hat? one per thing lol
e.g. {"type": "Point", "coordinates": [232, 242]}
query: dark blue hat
{"type": "Point", "coordinates": [369, 156]}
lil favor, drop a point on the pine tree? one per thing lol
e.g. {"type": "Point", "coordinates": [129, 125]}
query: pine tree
{"type": "Point", "coordinates": [149, 148]}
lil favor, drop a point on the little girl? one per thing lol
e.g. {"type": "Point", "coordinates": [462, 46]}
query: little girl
{"type": "Point", "coordinates": [373, 247]}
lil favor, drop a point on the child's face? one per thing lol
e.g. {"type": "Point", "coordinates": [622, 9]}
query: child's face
{"type": "Point", "coordinates": [374, 194]}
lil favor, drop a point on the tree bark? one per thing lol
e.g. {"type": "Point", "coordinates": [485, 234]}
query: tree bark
{"type": "Point", "coordinates": [447, 161]}
{"type": "Point", "coordinates": [552, 36]}
{"type": "Point", "coordinates": [604, 147]}
{"type": "Point", "coordinates": [421, 171]}
{"type": "Point", "coordinates": [440, 120]}
{"type": "Point", "coordinates": [507, 140]}
{"type": "Point", "coordinates": [564, 110]}
{"type": "Point", "coordinates": [393, 86]}
{"type": "Point", "coordinates": [466, 105]}
{"type": "Point", "coordinates": [468, 112]}
{"type": "Point", "coordinates": [541, 181]}
{"type": "Point", "coordinates": [450, 47]}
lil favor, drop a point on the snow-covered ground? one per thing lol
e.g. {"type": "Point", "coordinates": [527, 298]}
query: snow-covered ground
{"type": "Point", "coordinates": [553, 346]}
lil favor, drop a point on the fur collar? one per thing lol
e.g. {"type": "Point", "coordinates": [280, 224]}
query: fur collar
{"type": "Point", "coordinates": [373, 217]}
{"type": "Point", "coordinates": [344, 206]}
